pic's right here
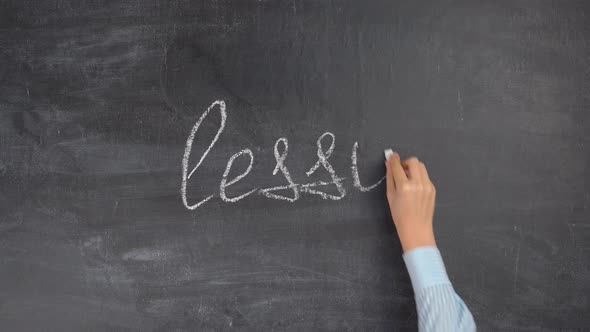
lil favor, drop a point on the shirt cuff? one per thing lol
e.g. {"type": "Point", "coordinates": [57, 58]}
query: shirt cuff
{"type": "Point", "coordinates": [426, 268]}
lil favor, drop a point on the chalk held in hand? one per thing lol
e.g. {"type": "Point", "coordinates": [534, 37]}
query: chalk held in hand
{"type": "Point", "coordinates": [388, 153]}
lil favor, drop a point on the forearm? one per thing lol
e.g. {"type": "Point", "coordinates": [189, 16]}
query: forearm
{"type": "Point", "coordinates": [439, 307]}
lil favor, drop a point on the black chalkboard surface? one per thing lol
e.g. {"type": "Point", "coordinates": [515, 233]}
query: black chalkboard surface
{"type": "Point", "coordinates": [138, 141]}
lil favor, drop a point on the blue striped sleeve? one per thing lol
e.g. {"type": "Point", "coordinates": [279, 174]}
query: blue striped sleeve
{"type": "Point", "coordinates": [439, 307]}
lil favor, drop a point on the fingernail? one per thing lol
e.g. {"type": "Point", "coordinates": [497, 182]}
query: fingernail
{"type": "Point", "coordinates": [388, 153]}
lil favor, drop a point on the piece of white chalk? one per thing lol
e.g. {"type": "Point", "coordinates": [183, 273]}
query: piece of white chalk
{"type": "Point", "coordinates": [388, 153]}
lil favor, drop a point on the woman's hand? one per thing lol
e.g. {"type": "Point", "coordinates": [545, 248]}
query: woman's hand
{"type": "Point", "coordinates": [411, 196]}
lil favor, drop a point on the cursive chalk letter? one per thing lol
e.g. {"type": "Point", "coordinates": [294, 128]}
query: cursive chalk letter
{"type": "Point", "coordinates": [224, 183]}
{"type": "Point", "coordinates": [187, 152]}
{"type": "Point", "coordinates": [355, 172]}
{"type": "Point", "coordinates": [323, 161]}
{"type": "Point", "coordinates": [280, 158]}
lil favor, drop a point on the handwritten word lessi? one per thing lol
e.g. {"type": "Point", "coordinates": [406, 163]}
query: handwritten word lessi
{"type": "Point", "coordinates": [281, 149]}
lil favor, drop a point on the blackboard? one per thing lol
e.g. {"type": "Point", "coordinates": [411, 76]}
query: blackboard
{"type": "Point", "coordinates": [99, 98]}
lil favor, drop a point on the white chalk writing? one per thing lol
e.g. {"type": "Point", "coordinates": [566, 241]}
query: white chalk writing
{"type": "Point", "coordinates": [355, 172]}
{"type": "Point", "coordinates": [281, 150]}
{"type": "Point", "coordinates": [280, 158]}
{"type": "Point", "coordinates": [224, 184]}
{"type": "Point", "coordinates": [323, 161]}
{"type": "Point", "coordinates": [188, 148]}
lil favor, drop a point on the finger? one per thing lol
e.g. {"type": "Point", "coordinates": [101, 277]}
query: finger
{"type": "Point", "coordinates": [413, 166]}
{"type": "Point", "coordinates": [424, 173]}
{"type": "Point", "coordinates": [406, 170]}
{"type": "Point", "coordinates": [389, 179]}
{"type": "Point", "coordinates": [397, 171]}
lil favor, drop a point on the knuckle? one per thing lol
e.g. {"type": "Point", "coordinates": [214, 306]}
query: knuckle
{"type": "Point", "coordinates": [407, 187]}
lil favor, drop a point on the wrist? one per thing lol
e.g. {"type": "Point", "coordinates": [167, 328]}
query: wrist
{"type": "Point", "coordinates": [416, 240]}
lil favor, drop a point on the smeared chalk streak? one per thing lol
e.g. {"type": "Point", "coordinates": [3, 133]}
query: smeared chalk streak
{"type": "Point", "coordinates": [146, 254]}
{"type": "Point", "coordinates": [570, 228]}
{"type": "Point", "coordinates": [517, 261]}
{"type": "Point", "coordinates": [460, 102]}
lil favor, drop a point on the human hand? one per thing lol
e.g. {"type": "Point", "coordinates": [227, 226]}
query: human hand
{"type": "Point", "coordinates": [411, 197]}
